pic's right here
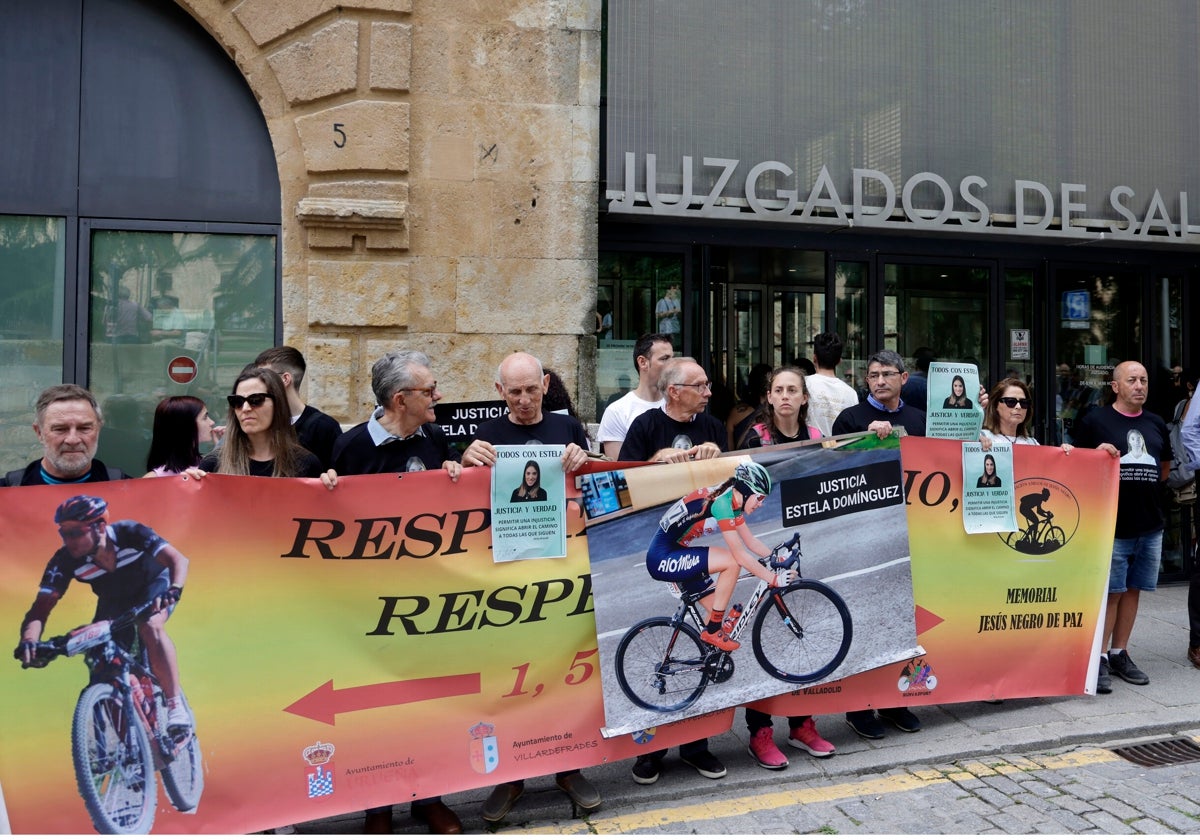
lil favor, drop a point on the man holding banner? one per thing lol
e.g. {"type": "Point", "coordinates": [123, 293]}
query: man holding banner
{"type": "Point", "coordinates": [522, 383]}
{"type": "Point", "coordinates": [883, 411]}
{"type": "Point", "coordinates": [1125, 431]}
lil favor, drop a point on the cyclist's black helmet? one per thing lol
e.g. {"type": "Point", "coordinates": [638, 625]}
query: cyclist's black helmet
{"type": "Point", "coordinates": [80, 509]}
{"type": "Point", "coordinates": [752, 479]}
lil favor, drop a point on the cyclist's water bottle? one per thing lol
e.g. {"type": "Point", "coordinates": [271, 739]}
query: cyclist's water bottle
{"type": "Point", "coordinates": [731, 616]}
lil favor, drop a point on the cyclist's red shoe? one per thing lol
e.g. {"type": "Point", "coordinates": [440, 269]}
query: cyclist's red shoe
{"type": "Point", "coordinates": [719, 639]}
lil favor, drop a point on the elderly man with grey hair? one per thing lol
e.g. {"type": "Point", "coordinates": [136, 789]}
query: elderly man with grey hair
{"type": "Point", "coordinates": [883, 408]}
{"type": "Point", "coordinates": [680, 430]}
{"type": "Point", "coordinates": [67, 423]}
{"type": "Point", "coordinates": [401, 435]}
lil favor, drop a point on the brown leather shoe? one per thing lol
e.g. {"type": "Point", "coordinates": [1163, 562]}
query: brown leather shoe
{"type": "Point", "coordinates": [1194, 656]}
{"type": "Point", "coordinates": [378, 822]}
{"type": "Point", "coordinates": [437, 815]}
{"type": "Point", "coordinates": [501, 800]}
{"type": "Point", "coordinates": [581, 792]}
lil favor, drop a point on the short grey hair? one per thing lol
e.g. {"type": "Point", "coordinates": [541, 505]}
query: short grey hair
{"type": "Point", "coordinates": [65, 393]}
{"type": "Point", "coordinates": [887, 358]}
{"type": "Point", "coordinates": [672, 373]}
{"type": "Point", "coordinates": [394, 372]}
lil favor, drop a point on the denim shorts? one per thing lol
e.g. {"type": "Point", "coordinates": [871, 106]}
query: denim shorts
{"type": "Point", "coordinates": [1135, 563]}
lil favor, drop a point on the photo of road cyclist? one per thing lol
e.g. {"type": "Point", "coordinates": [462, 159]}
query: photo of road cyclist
{"type": "Point", "coordinates": [707, 510]}
{"type": "Point", "coordinates": [126, 563]}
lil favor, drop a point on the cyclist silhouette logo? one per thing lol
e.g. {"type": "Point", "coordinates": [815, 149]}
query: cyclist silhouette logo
{"type": "Point", "coordinates": [1051, 514]}
{"type": "Point", "coordinates": [917, 676]}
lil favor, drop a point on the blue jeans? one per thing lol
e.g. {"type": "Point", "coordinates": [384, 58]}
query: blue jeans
{"type": "Point", "coordinates": [1135, 563]}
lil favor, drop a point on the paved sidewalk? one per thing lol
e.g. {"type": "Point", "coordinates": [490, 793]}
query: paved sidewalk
{"type": "Point", "coordinates": [1024, 734]}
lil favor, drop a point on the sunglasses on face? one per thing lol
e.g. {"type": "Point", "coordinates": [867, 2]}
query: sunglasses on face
{"type": "Point", "coordinates": [236, 401]}
{"type": "Point", "coordinates": [1013, 402]}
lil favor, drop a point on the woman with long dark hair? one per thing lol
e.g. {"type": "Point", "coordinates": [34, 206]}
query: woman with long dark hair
{"type": "Point", "coordinates": [958, 394]}
{"type": "Point", "coordinates": [783, 418]}
{"type": "Point", "coordinates": [260, 440]}
{"type": "Point", "coordinates": [531, 489]}
{"type": "Point", "coordinates": [181, 424]}
{"type": "Point", "coordinates": [989, 477]}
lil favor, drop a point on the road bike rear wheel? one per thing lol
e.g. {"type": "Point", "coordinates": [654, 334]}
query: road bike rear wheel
{"type": "Point", "coordinates": [802, 633]}
{"type": "Point", "coordinates": [183, 775]}
{"type": "Point", "coordinates": [114, 766]}
{"type": "Point", "coordinates": [660, 665]}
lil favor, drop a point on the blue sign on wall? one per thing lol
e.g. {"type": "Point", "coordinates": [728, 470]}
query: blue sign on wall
{"type": "Point", "coordinates": [1077, 305]}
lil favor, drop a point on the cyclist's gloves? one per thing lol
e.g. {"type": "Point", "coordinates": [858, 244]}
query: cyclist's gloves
{"type": "Point", "coordinates": [171, 597]}
{"type": "Point", "coordinates": [26, 653]}
{"type": "Point", "coordinates": [785, 577]}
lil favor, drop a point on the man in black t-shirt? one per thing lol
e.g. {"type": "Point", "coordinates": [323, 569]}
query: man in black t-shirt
{"type": "Point", "coordinates": [680, 430]}
{"type": "Point", "coordinates": [1140, 439]}
{"type": "Point", "coordinates": [522, 383]}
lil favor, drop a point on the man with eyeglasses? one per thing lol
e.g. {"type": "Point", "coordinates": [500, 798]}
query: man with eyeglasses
{"type": "Point", "coordinates": [680, 430]}
{"type": "Point", "coordinates": [401, 435]}
{"type": "Point", "coordinates": [522, 382]}
{"type": "Point", "coordinates": [67, 424]}
{"type": "Point", "coordinates": [882, 412]}
{"type": "Point", "coordinates": [316, 430]}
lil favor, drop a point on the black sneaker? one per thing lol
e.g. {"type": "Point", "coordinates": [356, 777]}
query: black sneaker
{"type": "Point", "coordinates": [901, 718]}
{"type": "Point", "coordinates": [646, 769]}
{"type": "Point", "coordinates": [1121, 665]}
{"type": "Point", "coordinates": [706, 764]}
{"type": "Point", "coordinates": [1103, 680]}
{"type": "Point", "coordinates": [865, 724]}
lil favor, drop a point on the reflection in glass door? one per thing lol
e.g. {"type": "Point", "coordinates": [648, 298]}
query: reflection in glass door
{"type": "Point", "coordinates": [1098, 324]}
{"type": "Point", "coordinates": [172, 313]}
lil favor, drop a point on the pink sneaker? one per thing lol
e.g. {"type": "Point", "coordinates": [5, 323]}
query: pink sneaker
{"type": "Point", "coordinates": [806, 737]}
{"type": "Point", "coordinates": [763, 750]}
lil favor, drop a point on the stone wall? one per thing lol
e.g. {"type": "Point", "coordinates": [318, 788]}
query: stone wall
{"type": "Point", "coordinates": [438, 161]}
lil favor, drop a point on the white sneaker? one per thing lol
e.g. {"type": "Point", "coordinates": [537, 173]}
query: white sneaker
{"type": "Point", "coordinates": [178, 716]}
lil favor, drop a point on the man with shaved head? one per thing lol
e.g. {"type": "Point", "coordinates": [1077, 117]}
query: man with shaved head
{"type": "Point", "coordinates": [1140, 439]}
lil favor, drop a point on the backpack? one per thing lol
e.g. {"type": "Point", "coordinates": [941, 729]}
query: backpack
{"type": "Point", "coordinates": [1181, 479]}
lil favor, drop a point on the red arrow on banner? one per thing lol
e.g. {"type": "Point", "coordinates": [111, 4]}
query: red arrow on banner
{"type": "Point", "coordinates": [926, 620]}
{"type": "Point", "coordinates": [326, 702]}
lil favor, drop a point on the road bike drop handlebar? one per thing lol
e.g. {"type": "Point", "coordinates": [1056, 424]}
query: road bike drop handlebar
{"type": "Point", "coordinates": [85, 637]}
{"type": "Point", "coordinates": [792, 546]}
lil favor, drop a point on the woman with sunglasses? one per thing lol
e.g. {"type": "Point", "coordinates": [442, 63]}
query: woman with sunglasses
{"type": "Point", "coordinates": [260, 440]}
{"type": "Point", "coordinates": [1006, 417]}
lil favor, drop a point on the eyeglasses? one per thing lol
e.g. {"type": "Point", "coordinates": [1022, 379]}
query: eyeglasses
{"type": "Point", "coordinates": [1013, 402]}
{"type": "Point", "coordinates": [703, 386]}
{"type": "Point", "coordinates": [75, 533]}
{"type": "Point", "coordinates": [236, 401]}
{"type": "Point", "coordinates": [429, 392]}
{"type": "Point", "coordinates": [881, 374]}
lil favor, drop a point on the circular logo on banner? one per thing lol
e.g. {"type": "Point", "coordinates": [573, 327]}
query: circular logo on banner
{"type": "Point", "coordinates": [182, 369]}
{"type": "Point", "coordinates": [1051, 517]}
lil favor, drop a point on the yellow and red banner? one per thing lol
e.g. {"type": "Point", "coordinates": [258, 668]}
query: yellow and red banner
{"type": "Point", "coordinates": [339, 650]}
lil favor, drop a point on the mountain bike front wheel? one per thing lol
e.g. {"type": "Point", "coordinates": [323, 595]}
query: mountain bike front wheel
{"type": "Point", "coordinates": [803, 632]}
{"type": "Point", "coordinates": [114, 766]}
{"type": "Point", "coordinates": [660, 665]}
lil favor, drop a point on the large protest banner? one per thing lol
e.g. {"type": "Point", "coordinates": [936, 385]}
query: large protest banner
{"type": "Point", "coordinates": [846, 505]}
{"type": "Point", "coordinates": [339, 650]}
{"type": "Point", "coordinates": [999, 615]}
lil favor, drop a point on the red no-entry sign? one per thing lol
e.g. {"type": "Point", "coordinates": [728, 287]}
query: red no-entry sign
{"type": "Point", "coordinates": [182, 369]}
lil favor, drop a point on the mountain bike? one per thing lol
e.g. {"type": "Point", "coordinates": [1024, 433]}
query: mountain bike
{"type": "Point", "coordinates": [1042, 536]}
{"type": "Point", "coordinates": [801, 634]}
{"type": "Point", "coordinates": [119, 735]}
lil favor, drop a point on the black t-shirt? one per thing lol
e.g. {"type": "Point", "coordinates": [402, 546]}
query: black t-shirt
{"type": "Point", "coordinates": [856, 418]}
{"type": "Point", "coordinates": [355, 453]}
{"type": "Point", "coordinates": [1139, 497]}
{"type": "Point", "coordinates": [318, 432]}
{"type": "Point", "coordinates": [653, 430]}
{"type": "Point", "coordinates": [308, 466]}
{"type": "Point", "coordinates": [558, 429]}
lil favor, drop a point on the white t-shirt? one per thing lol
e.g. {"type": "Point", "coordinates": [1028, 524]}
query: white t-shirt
{"type": "Point", "coordinates": [999, 438]}
{"type": "Point", "coordinates": [614, 425]}
{"type": "Point", "coordinates": [828, 397]}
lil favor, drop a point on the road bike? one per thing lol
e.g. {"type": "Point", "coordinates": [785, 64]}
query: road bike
{"type": "Point", "coordinates": [119, 734]}
{"type": "Point", "coordinates": [801, 634]}
{"type": "Point", "coordinates": [1042, 536]}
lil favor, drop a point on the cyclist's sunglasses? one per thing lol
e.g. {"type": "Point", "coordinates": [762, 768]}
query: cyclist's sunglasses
{"type": "Point", "coordinates": [1013, 402]}
{"type": "Point", "coordinates": [236, 401]}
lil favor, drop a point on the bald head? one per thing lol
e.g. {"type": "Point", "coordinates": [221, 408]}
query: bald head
{"type": "Point", "coordinates": [1131, 385]}
{"type": "Point", "coordinates": [522, 383]}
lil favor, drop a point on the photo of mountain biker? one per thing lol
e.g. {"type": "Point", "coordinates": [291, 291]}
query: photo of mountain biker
{"type": "Point", "coordinates": [707, 510]}
{"type": "Point", "coordinates": [126, 564]}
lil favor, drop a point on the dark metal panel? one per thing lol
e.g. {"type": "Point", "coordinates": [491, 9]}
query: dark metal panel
{"type": "Point", "coordinates": [39, 107]}
{"type": "Point", "coordinates": [169, 128]}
